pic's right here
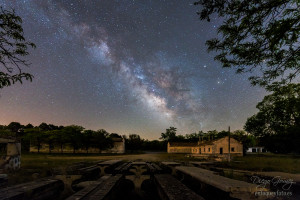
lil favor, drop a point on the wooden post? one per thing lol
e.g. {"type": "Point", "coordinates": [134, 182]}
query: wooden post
{"type": "Point", "coordinates": [229, 144]}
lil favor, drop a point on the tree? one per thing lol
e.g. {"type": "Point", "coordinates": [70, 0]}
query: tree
{"type": "Point", "coordinates": [246, 139]}
{"type": "Point", "coordinates": [52, 127]}
{"type": "Point", "coordinates": [101, 140]}
{"type": "Point", "coordinates": [277, 124]}
{"type": "Point", "coordinates": [222, 134]}
{"type": "Point", "coordinates": [134, 142]}
{"type": "Point", "coordinates": [257, 34]}
{"type": "Point", "coordinates": [74, 134]}
{"type": "Point", "coordinates": [87, 139]}
{"type": "Point", "coordinates": [44, 126]}
{"type": "Point", "coordinates": [49, 138]}
{"type": "Point", "coordinates": [13, 46]}
{"type": "Point", "coordinates": [115, 135]}
{"type": "Point", "coordinates": [61, 137]}
{"type": "Point", "coordinates": [14, 126]}
{"type": "Point", "coordinates": [29, 126]}
{"type": "Point", "coordinates": [194, 137]}
{"type": "Point", "coordinates": [6, 133]}
{"type": "Point", "coordinates": [36, 137]}
{"type": "Point", "coordinates": [153, 145]}
{"type": "Point", "coordinates": [213, 134]}
{"type": "Point", "coordinates": [169, 135]}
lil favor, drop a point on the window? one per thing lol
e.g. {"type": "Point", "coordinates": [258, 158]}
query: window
{"type": "Point", "coordinates": [204, 149]}
{"type": "Point", "coordinates": [208, 149]}
{"type": "Point", "coordinates": [232, 149]}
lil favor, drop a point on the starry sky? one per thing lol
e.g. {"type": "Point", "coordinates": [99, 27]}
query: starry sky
{"type": "Point", "coordinates": [128, 66]}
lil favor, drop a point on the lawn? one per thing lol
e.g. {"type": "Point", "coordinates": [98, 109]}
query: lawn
{"type": "Point", "coordinates": [34, 165]}
{"type": "Point", "coordinates": [42, 165]}
{"type": "Point", "coordinates": [266, 162]}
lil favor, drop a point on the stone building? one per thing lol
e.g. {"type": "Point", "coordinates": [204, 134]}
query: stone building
{"type": "Point", "coordinates": [182, 147]}
{"type": "Point", "coordinates": [118, 148]}
{"type": "Point", "coordinates": [256, 150]}
{"type": "Point", "coordinates": [11, 160]}
{"type": "Point", "coordinates": [216, 147]}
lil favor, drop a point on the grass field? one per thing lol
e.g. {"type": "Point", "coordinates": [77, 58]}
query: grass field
{"type": "Point", "coordinates": [266, 162]}
{"type": "Point", "coordinates": [42, 165]}
{"type": "Point", "coordinates": [36, 165]}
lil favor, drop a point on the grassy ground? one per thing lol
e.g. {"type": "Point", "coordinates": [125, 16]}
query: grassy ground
{"type": "Point", "coordinates": [266, 162]}
{"type": "Point", "coordinates": [42, 165]}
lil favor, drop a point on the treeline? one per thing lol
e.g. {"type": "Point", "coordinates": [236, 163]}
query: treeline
{"type": "Point", "coordinates": [75, 136]}
{"type": "Point", "coordinates": [134, 143]}
{"type": "Point", "coordinates": [79, 138]}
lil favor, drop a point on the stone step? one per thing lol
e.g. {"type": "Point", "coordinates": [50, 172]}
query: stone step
{"type": "Point", "coordinates": [235, 188]}
{"type": "Point", "coordinates": [99, 190]}
{"type": "Point", "coordinates": [39, 189]}
{"type": "Point", "coordinates": [170, 188]}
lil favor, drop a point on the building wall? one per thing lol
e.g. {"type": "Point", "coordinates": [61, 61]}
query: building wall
{"type": "Point", "coordinates": [119, 147]}
{"type": "Point", "coordinates": [256, 150]}
{"type": "Point", "coordinates": [13, 149]}
{"type": "Point", "coordinates": [210, 149]}
{"type": "Point", "coordinates": [196, 150]}
{"type": "Point", "coordinates": [12, 159]}
{"type": "Point", "coordinates": [206, 149]}
{"type": "Point", "coordinates": [235, 146]}
{"type": "Point", "coordinates": [180, 149]}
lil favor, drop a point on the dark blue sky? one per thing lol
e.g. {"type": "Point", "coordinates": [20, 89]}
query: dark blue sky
{"type": "Point", "coordinates": [126, 66]}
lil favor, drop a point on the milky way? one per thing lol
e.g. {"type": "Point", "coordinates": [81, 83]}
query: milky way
{"type": "Point", "coordinates": [125, 66]}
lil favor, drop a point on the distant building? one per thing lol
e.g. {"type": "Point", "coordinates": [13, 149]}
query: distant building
{"type": "Point", "coordinates": [118, 148]}
{"type": "Point", "coordinates": [208, 148]}
{"type": "Point", "coordinates": [256, 150]}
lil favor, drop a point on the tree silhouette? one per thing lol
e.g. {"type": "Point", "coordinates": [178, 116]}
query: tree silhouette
{"type": "Point", "coordinates": [169, 135]}
{"type": "Point", "coordinates": [13, 46]}
{"type": "Point", "coordinates": [277, 123]}
{"type": "Point", "coordinates": [101, 140]}
{"type": "Point", "coordinates": [134, 142]}
{"type": "Point", "coordinates": [257, 34]}
{"type": "Point", "coordinates": [87, 139]}
{"type": "Point", "coordinates": [36, 137]}
{"type": "Point", "coordinates": [74, 134]}
{"type": "Point", "coordinates": [14, 126]}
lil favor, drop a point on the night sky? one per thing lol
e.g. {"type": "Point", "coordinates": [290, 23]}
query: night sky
{"type": "Point", "coordinates": [127, 66]}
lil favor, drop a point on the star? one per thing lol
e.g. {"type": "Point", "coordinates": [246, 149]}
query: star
{"type": "Point", "coordinates": [108, 64]}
